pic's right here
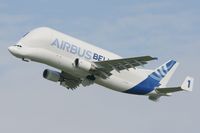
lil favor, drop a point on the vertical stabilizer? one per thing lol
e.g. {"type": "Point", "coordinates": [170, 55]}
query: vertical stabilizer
{"type": "Point", "coordinates": [164, 72]}
{"type": "Point", "coordinates": [159, 77]}
{"type": "Point", "coordinates": [168, 76]}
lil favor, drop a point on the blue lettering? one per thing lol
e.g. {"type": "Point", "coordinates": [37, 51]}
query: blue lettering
{"type": "Point", "coordinates": [100, 58]}
{"type": "Point", "coordinates": [88, 55]}
{"type": "Point", "coordinates": [63, 45]}
{"type": "Point", "coordinates": [95, 56]}
{"type": "Point", "coordinates": [67, 46]}
{"type": "Point", "coordinates": [73, 49]}
{"type": "Point", "coordinates": [55, 43]}
{"type": "Point", "coordinates": [81, 54]}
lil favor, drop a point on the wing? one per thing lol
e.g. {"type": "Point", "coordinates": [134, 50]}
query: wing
{"type": "Point", "coordinates": [69, 81]}
{"type": "Point", "coordinates": [104, 68]}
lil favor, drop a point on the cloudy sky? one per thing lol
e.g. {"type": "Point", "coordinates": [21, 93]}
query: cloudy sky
{"type": "Point", "coordinates": [167, 29]}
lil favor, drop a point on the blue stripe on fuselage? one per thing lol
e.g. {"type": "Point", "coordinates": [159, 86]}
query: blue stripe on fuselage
{"type": "Point", "coordinates": [152, 81]}
{"type": "Point", "coordinates": [144, 87]}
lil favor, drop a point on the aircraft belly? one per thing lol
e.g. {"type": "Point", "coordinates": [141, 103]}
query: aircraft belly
{"type": "Point", "coordinates": [114, 83]}
{"type": "Point", "coordinates": [124, 80]}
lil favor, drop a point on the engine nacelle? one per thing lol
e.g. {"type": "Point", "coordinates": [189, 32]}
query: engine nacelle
{"type": "Point", "coordinates": [51, 75]}
{"type": "Point", "coordinates": [84, 65]}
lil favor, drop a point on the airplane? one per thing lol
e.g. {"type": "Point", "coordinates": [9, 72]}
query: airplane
{"type": "Point", "coordinates": [81, 63]}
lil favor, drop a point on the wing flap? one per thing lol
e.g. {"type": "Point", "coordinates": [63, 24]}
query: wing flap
{"type": "Point", "coordinates": [105, 67]}
{"type": "Point", "coordinates": [69, 81]}
{"type": "Point", "coordinates": [125, 63]}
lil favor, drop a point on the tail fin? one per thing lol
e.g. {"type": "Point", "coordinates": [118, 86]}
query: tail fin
{"type": "Point", "coordinates": [164, 72]}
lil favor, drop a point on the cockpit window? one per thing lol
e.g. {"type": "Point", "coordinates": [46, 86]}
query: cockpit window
{"type": "Point", "coordinates": [18, 46]}
{"type": "Point", "coordinates": [25, 34]}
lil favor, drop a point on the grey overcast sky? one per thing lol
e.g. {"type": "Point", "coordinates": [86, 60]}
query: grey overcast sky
{"type": "Point", "coordinates": [168, 29]}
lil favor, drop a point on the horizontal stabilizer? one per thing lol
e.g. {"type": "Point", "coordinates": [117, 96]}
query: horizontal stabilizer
{"type": "Point", "coordinates": [186, 86]}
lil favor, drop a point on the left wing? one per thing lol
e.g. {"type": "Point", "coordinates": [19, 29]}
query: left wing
{"type": "Point", "coordinates": [104, 68]}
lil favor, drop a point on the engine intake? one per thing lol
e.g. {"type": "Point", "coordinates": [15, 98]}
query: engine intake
{"type": "Point", "coordinates": [51, 75]}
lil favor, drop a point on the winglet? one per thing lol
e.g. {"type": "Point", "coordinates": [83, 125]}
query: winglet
{"type": "Point", "coordinates": [187, 84]}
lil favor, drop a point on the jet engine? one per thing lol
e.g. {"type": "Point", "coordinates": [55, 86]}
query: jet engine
{"type": "Point", "coordinates": [84, 65]}
{"type": "Point", "coordinates": [51, 75]}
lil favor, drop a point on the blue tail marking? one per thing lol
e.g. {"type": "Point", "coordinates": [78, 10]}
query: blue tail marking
{"type": "Point", "coordinates": [153, 80]}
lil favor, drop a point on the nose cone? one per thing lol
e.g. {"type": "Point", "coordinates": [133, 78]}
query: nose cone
{"type": "Point", "coordinates": [14, 51]}
{"type": "Point", "coordinates": [11, 49]}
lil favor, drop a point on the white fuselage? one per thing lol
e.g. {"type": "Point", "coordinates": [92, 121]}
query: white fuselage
{"type": "Point", "coordinates": [58, 50]}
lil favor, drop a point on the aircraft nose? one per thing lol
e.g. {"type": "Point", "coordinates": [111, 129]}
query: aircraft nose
{"type": "Point", "coordinates": [11, 49]}
{"type": "Point", "coordinates": [17, 51]}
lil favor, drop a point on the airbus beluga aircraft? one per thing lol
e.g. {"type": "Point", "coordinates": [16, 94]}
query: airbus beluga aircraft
{"type": "Point", "coordinates": [82, 63]}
